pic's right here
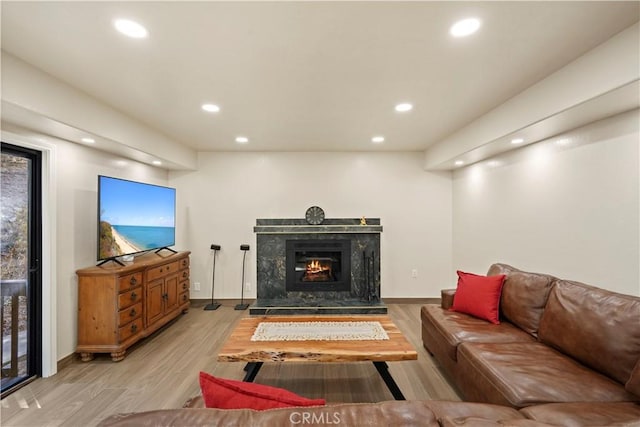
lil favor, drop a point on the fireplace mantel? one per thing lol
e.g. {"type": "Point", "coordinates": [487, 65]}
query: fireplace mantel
{"type": "Point", "coordinates": [273, 297]}
{"type": "Point", "coordinates": [331, 226]}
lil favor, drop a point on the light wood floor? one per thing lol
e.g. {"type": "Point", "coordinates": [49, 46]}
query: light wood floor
{"type": "Point", "coordinates": [162, 372]}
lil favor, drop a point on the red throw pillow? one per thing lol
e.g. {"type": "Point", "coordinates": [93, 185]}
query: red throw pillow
{"type": "Point", "coordinates": [229, 394]}
{"type": "Point", "coordinates": [479, 296]}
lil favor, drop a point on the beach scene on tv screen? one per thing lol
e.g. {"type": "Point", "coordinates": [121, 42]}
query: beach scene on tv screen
{"type": "Point", "coordinates": [134, 217]}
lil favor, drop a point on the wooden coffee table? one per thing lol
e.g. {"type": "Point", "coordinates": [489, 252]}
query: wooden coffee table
{"type": "Point", "coordinates": [240, 348]}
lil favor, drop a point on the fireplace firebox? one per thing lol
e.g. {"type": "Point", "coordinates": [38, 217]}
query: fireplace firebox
{"type": "Point", "coordinates": [318, 265]}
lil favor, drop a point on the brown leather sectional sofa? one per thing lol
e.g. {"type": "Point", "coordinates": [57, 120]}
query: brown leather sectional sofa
{"type": "Point", "coordinates": [558, 341]}
{"type": "Point", "coordinates": [565, 354]}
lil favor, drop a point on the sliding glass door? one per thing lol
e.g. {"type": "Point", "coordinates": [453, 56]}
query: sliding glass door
{"type": "Point", "coordinates": [21, 278]}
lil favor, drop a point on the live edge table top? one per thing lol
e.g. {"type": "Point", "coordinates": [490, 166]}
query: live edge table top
{"type": "Point", "coordinates": [240, 348]}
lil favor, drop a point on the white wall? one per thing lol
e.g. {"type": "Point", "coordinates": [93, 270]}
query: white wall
{"type": "Point", "coordinates": [229, 191]}
{"type": "Point", "coordinates": [59, 109]}
{"type": "Point", "coordinates": [570, 209]}
{"type": "Point", "coordinates": [76, 169]}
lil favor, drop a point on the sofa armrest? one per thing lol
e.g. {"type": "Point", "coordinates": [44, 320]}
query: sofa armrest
{"type": "Point", "coordinates": [446, 296]}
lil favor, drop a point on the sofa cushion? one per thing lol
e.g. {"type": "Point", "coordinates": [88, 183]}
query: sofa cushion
{"type": "Point", "coordinates": [523, 374]}
{"type": "Point", "coordinates": [452, 328]}
{"type": "Point", "coordinates": [483, 422]}
{"type": "Point", "coordinates": [597, 327]}
{"type": "Point", "coordinates": [584, 413]}
{"type": "Point", "coordinates": [479, 296]}
{"type": "Point", "coordinates": [461, 410]}
{"type": "Point", "coordinates": [229, 394]}
{"type": "Point", "coordinates": [524, 296]}
{"type": "Point", "coordinates": [633, 385]}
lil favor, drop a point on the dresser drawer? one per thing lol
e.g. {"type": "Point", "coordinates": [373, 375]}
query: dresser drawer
{"type": "Point", "coordinates": [130, 313]}
{"type": "Point", "coordinates": [131, 329]}
{"type": "Point", "coordinates": [131, 297]}
{"type": "Point", "coordinates": [183, 298]}
{"type": "Point", "coordinates": [183, 286]}
{"type": "Point", "coordinates": [184, 275]}
{"type": "Point", "coordinates": [130, 281]}
{"type": "Point", "coordinates": [184, 262]}
{"type": "Point", "coordinates": [163, 270]}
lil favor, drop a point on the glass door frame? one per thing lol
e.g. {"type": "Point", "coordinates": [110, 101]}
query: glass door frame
{"type": "Point", "coordinates": [34, 268]}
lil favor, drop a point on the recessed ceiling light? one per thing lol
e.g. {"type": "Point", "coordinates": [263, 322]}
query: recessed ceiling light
{"type": "Point", "coordinates": [464, 27]}
{"type": "Point", "coordinates": [157, 162]}
{"type": "Point", "coordinates": [210, 108]}
{"type": "Point", "coordinates": [88, 140]}
{"type": "Point", "coordinates": [404, 107]}
{"type": "Point", "coordinates": [517, 141]}
{"type": "Point", "coordinates": [459, 163]}
{"type": "Point", "coordinates": [377, 139]}
{"type": "Point", "coordinates": [131, 28]}
{"type": "Point", "coordinates": [242, 139]}
{"type": "Point", "coordinates": [563, 141]}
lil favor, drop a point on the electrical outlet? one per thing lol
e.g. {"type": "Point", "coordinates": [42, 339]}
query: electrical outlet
{"type": "Point", "coordinates": [414, 273]}
{"type": "Point", "coordinates": [196, 286]}
{"type": "Point", "coordinates": [247, 286]}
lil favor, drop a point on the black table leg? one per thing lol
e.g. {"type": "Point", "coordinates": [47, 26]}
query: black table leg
{"type": "Point", "coordinates": [251, 370]}
{"type": "Point", "coordinates": [383, 370]}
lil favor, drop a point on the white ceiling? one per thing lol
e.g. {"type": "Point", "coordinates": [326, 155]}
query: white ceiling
{"type": "Point", "coordinates": [306, 76]}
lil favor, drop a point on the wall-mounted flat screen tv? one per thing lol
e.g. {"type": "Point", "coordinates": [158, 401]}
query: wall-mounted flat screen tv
{"type": "Point", "coordinates": [134, 217]}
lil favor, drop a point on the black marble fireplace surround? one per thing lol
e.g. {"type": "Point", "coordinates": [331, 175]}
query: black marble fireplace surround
{"type": "Point", "coordinates": [340, 258]}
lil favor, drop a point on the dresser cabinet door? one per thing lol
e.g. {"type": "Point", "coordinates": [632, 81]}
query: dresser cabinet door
{"type": "Point", "coordinates": [171, 293]}
{"type": "Point", "coordinates": [155, 301]}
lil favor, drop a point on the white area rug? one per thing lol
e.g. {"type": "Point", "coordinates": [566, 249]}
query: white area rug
{"type": "Point", "coordinates": [319, 331]}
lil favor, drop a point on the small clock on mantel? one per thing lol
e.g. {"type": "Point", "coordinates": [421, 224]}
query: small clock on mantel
{"type": "Point", "coordinates": [314, 215]}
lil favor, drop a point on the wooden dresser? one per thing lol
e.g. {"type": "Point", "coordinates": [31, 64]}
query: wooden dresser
{"type": "Point", "coordinates": [118, 306]}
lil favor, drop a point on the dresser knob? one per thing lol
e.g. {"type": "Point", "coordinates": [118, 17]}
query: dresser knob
{"type": "Point", "coordinates": [133, 281]}
{"type": "Point", "coordinates": [134, 327]}
{"type": "Point", "coordinates": [133, 296]}
{"type": "Point", "coordinates": [132, 312]}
